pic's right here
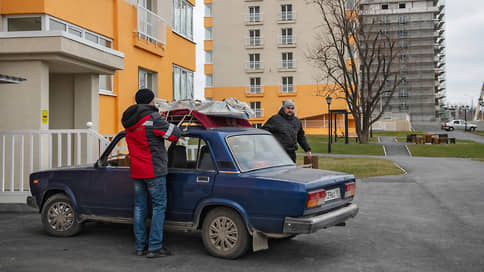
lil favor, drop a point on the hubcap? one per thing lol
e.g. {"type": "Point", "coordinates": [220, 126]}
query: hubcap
{"type": "Point", "coordinates": [223, 233]}
{"type": "Point", "coordinates": [60, 216]}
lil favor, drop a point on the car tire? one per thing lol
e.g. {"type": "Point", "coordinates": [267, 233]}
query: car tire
{"type": "Point", "coordinates": [451, 128]}
{"type": "Point", "coordinates": [224, 234]}
{"type": "Point", "coordinates": [59, 216]}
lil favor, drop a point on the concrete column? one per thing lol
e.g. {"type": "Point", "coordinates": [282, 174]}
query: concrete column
{"type": "Point", "coordinates": [86, 100]}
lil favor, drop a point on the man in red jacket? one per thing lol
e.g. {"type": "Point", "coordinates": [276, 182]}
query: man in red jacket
{"type": "Point", "coordinates": [146, 132]}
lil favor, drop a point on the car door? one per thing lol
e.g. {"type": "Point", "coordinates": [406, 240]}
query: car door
{"type": "Point", "coordinates": [191, 176]}
{"type": "Point", "coordinates": [111, 186]}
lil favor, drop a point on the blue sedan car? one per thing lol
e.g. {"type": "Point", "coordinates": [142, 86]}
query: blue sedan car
{"type": "Point", "coordinates": [235, 185]}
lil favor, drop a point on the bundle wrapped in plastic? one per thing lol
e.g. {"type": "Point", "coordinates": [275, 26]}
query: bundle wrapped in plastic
{"type": "Point", "coordinates": [230, 107]}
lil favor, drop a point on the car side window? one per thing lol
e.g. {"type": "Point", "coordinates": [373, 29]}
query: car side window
{"type": "Point", "coordinates": [119, 156]}
{"type": "Point", "coordinates": [190, 153]}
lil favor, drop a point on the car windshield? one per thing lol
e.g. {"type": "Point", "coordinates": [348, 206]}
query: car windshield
{"type": "Point", "coordinates": [257, 151]}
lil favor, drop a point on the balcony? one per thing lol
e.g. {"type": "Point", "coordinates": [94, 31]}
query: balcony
{"type": "Point", "coordinates": [287, 17]}
{"type": "Point", "coordinates": [254, 42]}
{"type": "Point", "coordinates": [287, 41]}
{"type": "Point", "coordinates": [254, 18]}
{"type": "Point", "coordinates": [151, 27]}
{"type": "Point", "coordinates": [254, 67]}
{"type": "Point", "coordinates": [287, 65]}
{"type": "Point", "coordinates": [254, 90]}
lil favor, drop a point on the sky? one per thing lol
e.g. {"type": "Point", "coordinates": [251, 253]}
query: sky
{"type": "Point", "coordinates": [464, 50]}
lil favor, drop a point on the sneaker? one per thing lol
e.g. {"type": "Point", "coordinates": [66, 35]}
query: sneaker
{"type": "Point", "coordinates": [162, 252]}
{"type": "Point", "coordinates": [141, 252]}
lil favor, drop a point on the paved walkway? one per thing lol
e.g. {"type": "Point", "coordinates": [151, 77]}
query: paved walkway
{"type": "Point", "coordinates": [392, 147]}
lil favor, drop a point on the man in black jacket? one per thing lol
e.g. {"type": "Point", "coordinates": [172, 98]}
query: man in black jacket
{"type": "Point", "coordinates": [287, 129]}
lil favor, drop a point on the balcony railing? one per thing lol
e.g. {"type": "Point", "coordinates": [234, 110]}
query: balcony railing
{"type": "Point", "coordinates": [151, 26]}
{"type": "Point", "coordinates": [254, 65]}
{"type": "Point", "coordinates": [288, 64]}
{"type": "Point", "coordinates": [287, 40]}
{"type": "Point", "coordinates": [254, 41]}
{"type": "Point", "coordinates": [254, 18]}
{"type": "Point", "coordinates": [258, 113]}
{"type": "Point", "coordinates": [254, 89]}
{"type": "Point", "coordinates": [287, 16]}
{"type": "Point", "coordinates": [287, 88]}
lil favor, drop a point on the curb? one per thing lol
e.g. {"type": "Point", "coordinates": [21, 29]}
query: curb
{"type": "Point", "coordinates": [16, 208]}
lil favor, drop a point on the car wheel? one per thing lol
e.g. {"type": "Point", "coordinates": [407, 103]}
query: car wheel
{"type": "Point", "coordinates": [451, 129]}
{"type": "Point", "coordinates": [59, 216]}
{"type": "Point", "coordinates": [224, 234]}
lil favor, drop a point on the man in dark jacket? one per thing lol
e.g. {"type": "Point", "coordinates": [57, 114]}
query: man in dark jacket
{"type": "Point", "coordinates": [146, 132]}
{"type": "Point", "coordinates": [287, 129]}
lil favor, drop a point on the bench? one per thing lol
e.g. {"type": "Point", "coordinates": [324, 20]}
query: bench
{"type": "Point", "coordinates": [353, 135]}
{"type": "Point", "coordinates": [451, 140]}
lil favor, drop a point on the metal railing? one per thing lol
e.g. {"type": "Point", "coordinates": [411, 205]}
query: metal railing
{"type": "Point", "coordinates": [151, 26]}
{"type": "Point", "coordinates": [25, 151]}
{"type": "Point", "coordinates": [287, 16]}
{"type": "Point", "coordinates": [254, 41]}
{"type": "Point", "coordinates": [254, 65]}
{"type": "Point", "coordinates": [287, 40]}
{"type": "Point", "coordinates": [288, 64]}
{"type": "Point", "coordinates": [287, 88]}
{"type": "Point", "coordinates": [254, 89]}
{"type": "Point", "coordinates": [254, 18]}
{"type": "Point", "coordinates": [258, 113]}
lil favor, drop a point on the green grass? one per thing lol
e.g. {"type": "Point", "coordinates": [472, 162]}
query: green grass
{"type": "Point", "coordinates": [319, 144]}
{"type": "Point", "coordinates": [480, 133]}
{"type": "Point", "coordinates": [396, 133]}
{"type": "Point", "coordinates": [463, 149]}
{"type": "Point", "coordinates": [359, 167]}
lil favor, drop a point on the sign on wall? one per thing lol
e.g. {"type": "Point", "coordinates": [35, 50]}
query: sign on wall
{"type": "Point", "coordinates": [45, 117]}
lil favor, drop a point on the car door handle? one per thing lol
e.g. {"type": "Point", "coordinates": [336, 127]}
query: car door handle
{"type": "Point", "coordinates": [203, 179]}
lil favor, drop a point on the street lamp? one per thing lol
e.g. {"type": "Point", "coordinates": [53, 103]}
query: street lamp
{"type": "Point", "coordinates": [481, 103]}
{"type": "Point", "coordinates": [466, 107]}
{"type": "Point", "coordinates": [328, 100]}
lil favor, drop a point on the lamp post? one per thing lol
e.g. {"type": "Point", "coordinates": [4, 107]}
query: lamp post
{"type": "Point", "coordinates": [466, 107]}
{"type": "Point", "coordinates": [481, 104]}
{"type": "Point", "coordinates": [328, 100]}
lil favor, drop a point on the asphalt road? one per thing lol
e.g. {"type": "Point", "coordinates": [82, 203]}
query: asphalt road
{"type": "Point", "coordinates": [430, 219]}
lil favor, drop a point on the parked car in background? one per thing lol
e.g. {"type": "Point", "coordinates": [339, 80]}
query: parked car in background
{"type": "Point", "coordinates": [458, 124]}
{"type": "Point", "coordinates": [236, 185]}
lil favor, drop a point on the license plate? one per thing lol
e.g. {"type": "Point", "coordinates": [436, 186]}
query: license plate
{"type": "Point", "coordinates": [332, 194]}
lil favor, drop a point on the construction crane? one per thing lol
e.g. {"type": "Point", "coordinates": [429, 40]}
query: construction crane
{"type": "Point", "coordinates": [480, 104]}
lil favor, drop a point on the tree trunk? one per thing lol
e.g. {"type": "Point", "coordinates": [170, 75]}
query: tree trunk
{"type": "Point", "coordinates": [364, 136]}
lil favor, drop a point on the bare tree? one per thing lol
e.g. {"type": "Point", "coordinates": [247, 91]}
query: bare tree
{"type": "Point", "coordinates": [356, 55]}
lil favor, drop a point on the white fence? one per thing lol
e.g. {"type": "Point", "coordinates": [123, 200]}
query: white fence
{"type": "Point", "coordinates": [151, 26]}
{"type": "Point", "coordinates": [25, 151]}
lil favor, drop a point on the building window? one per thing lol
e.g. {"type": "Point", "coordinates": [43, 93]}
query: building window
{"type": "Point", "coordinates": [208, 57]}
{"type": "Point", "coordinates": [148, 79]}
{"type": "Point", "coordinates": [404, 58]}
{"type": "Point", "coordinates": [254, 62]}
{"type": "Point", "coordinates": [287, 12]}
{"type": "Point", "coordinates": [384, 6]}
{"type": "Point", "coordinates": [208, 10]}
{"type": "Point", "coordinates": [255, 106]}
{"type": "Point", "coordinates": [254, 37]}
{"type": "Point", "coordinates": [286, 36]}
{"type": "Point", "coordinates": [287, 84]}
{"type": "Point", "coordinates": [257, 125]}
{"type": "Point", "coordinates": [24, 24]}
{"type": "Point", "coordinates": [208, 81]}
{"type": "Point", "coordinates": [402, 19]}
{"type": "Point", "coordinates": [402, 5]}
{"type": "Point", "coordinates": [105, 83]}
{"type": "Point", "coordinates": [255, 85]}
{"type": "Point", "coordinates": [182, 83]}
{"type": "Point", "coordinates": [254, 14]}
{"type": "Point", "coordinates": [57, 25]}
{"type": "Point", "coordinates": [403, 92]}
{"type": "Point", "coordinates": [404, 81]}
{"type": "Point", "coordinates": [287, 61]}
{"type": "Point", "coordinates": [183, 18]}
{"type": "Point", "coordinates": [402, 33]}
{"type": "Point", "coordinates": [403, 106]}
{"type": "Point", "coordinates": [208, 34]}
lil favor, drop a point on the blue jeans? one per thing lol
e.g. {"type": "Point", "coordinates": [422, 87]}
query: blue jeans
{"type": "Point", "coordinates": [157, 190]}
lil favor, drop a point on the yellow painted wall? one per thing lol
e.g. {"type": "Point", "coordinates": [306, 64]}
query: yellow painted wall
{"type": "Point", "coordinates": [308, 104]}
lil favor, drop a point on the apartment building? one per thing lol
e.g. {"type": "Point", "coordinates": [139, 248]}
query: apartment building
{"type": "Point", "coordinates": [84, 60]}
{"type": "Point", "coordinates": [418, 28]}
{"type": "Point", "coordinates": [256, 51]}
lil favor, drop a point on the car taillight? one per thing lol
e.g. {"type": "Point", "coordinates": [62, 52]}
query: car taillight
{"type": "Point", "coordinates": [316, 198]}
{"type": "Point", "coordinates": [350, 189]}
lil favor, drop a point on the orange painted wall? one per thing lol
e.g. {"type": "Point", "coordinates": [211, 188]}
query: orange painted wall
{"type": "Point", "coordinates": [117, 20]}
{"type": "Point", "coordinates": [307, 102]}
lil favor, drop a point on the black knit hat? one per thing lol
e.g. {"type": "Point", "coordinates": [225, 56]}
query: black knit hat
{"type": "Point", "coordinates": [144, 96]}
